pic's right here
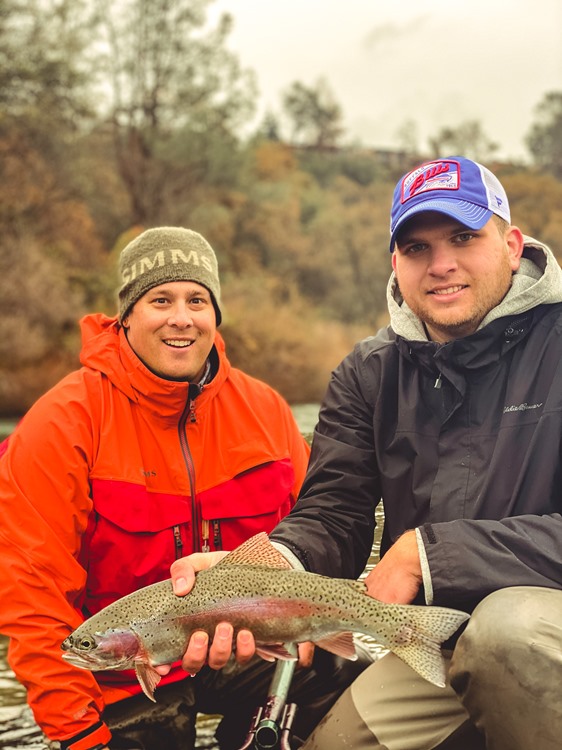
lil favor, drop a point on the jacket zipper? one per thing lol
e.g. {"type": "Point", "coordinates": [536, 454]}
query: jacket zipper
{"type": "Point", "coordinates": [217, 537]}
{"type": "Point", "coordinates": [178, 542]}
{"type": "Point", "coordinates": [200, 540]}
{"type": "Point", "coordinates": [205, 534]}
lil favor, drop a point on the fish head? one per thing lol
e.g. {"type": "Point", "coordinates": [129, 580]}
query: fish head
{"type": "Point", "coordinates": [115, 648]}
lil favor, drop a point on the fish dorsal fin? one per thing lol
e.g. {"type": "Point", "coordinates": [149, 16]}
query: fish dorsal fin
{"type": "Point", "coordinates": [148, 678]}
{"type": "Point", "coordinates": [257, 550]}
{"type": "Point", "coordinates": [340, 644]}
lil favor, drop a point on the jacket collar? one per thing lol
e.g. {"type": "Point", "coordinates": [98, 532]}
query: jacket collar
{"type": "Point", "coordinates": [105, 348]}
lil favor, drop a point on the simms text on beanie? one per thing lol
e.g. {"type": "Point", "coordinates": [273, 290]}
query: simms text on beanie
{"type": "Point", "coordinates": [166, 254]}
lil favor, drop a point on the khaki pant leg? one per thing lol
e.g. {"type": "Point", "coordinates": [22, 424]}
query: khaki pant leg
{"type": "Point", "coordinates": [390, 707]}
{"type": "Point", "coordinates": [507, 669]}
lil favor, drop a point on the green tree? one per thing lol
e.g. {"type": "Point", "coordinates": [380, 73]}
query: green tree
{"type": "Point", "coordinates": [407, 137]}
{"type": "Point", "coordinates": [467, 139]}
{"type": "Point", "coordinates": [50, 260]}
{"type": "Point", "coordinates": [315, 115]}
{"type": "Point", "coordinates": [45, 81]}
{"type": "Point", "coordinates": [49, 250]}
{"type": "Point", "coordinates": [269, 129]}
{"type": "Point", "coordinates": [176, 89]}
{"type": "Point", "coordinates": [43, 71]}
{"type": "Point", "coordinates": [535, 200]}
{"type": "Point", "coordinates": [545, 137]}
{"type": "Point", "coordinates": [345, 271]}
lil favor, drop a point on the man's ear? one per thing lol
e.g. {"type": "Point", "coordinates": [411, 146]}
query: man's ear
{"type": "Point", "coordinates": [515, 244]}
{"type": "Point", "coordinates": [125, 322]}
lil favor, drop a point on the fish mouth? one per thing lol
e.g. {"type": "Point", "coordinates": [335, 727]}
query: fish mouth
{"type": "Point", "coordinates": [79, 660]}
{"type": "Point", "coordinates": [92, 663]}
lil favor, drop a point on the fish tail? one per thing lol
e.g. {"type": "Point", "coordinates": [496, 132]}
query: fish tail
{"type": "Point", "coordinates": [418, 639]}
{"type": "Point", "coordinates": [424, 657]}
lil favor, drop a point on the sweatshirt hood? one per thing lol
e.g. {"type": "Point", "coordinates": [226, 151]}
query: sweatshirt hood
{"type": "Point", "coordinates": [537, 281]}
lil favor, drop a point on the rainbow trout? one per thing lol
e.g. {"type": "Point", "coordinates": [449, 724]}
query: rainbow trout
{"type": "Point", "coordinates": [255, 588]}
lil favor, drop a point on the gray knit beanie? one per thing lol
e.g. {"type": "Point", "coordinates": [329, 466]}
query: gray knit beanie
{"type": "Point", "coordinates": [166, 254]}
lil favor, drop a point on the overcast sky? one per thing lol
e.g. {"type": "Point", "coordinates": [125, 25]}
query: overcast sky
{"type": "Point", "coordinates": [435, 62]}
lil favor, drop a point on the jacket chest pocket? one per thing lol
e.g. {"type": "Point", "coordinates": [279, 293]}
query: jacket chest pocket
{"type": "Point", "coordinates": [132, 539]}
{"type": "Point", "coordinates": [253, 501]}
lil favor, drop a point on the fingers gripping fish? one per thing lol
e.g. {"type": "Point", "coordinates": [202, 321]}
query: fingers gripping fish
{"type": "Point", "coordinates": [254, 588]}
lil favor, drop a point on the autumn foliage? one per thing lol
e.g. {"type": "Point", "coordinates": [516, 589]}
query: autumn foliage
{"type": "Point", "coordinates": [91, 153]}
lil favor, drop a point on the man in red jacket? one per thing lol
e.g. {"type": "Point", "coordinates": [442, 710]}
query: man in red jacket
{"type": "Point", "coordinates": [154, 449]}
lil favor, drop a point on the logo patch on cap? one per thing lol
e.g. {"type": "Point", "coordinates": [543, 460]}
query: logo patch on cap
{"type": "Point", "coordinates": [437, 175]}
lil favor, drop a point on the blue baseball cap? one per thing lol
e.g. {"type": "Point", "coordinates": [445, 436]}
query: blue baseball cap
{"type": "Point", "coordinates": [458, 187]}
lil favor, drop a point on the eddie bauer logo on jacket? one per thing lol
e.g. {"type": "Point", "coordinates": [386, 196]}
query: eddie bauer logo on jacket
{"type": "Point", "coordinates": [173, 256]}
{"type": "Point", "coordinates": [521, 407]}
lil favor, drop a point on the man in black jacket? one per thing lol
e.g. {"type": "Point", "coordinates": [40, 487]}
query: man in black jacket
{"type": "Point", "coordinates": [452, 416]}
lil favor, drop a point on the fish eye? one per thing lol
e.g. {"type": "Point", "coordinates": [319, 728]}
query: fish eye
{"type": "Point", "coordinates": [86, 643]}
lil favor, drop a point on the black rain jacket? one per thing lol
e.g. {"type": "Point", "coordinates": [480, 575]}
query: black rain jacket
{"type": "Point", "coordinates": [463, 440]}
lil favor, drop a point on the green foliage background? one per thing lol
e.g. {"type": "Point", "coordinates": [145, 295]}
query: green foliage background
{"type": "Point", "coordinates": [119, 117]}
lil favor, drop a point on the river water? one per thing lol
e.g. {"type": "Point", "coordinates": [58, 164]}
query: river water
{"type": "Point", "coordinates": [17, 728]}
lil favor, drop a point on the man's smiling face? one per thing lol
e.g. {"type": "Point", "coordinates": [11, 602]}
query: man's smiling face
{"type": "Point", "coordinates": [172, 328]}
{"type": "Point", "coordinates": [452, 276]}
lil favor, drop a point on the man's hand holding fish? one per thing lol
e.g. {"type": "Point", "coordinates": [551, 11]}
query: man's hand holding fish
{"type": "Point", "coordinates": [198, 652]}
{"type": "Point", "coordinates": [395, 581]}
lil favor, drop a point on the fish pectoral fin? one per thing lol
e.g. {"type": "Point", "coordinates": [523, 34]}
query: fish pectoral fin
{"type": "Point", "coordinates": [148, 678]}
{"type": "Point", "coordinates": [273, 651]}
{"type": "Point", "coordinates": [257, 550]}
{"type": "Point", "coordinates": [340, 644]}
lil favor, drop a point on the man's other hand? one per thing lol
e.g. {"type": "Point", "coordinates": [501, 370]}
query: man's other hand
{"type": "Point", "coordinates": [198, 652]}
